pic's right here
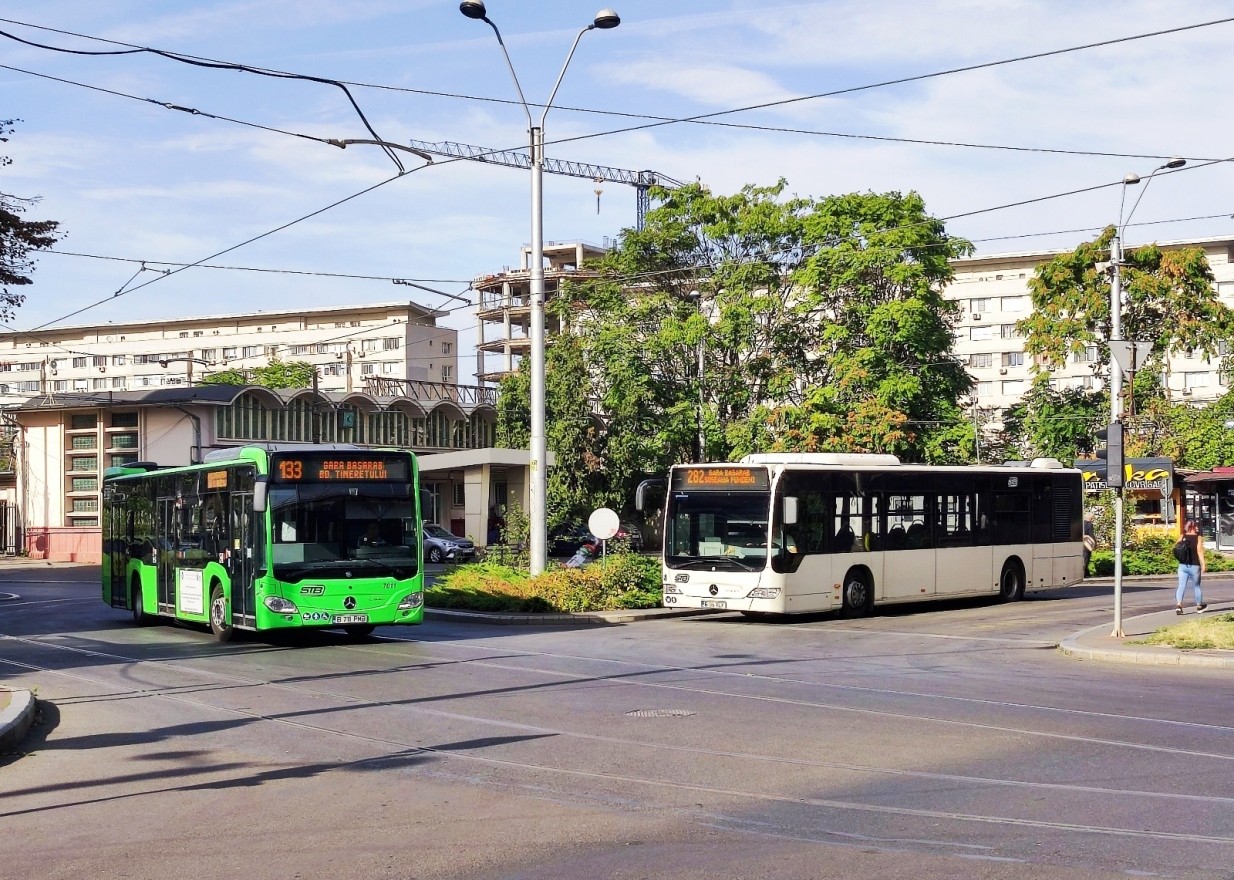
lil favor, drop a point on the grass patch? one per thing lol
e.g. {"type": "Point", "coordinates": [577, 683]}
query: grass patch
{"type": "Point", "coordinates": [1203, 632]}
{"type": "Point", "coordinates": [626, 580]}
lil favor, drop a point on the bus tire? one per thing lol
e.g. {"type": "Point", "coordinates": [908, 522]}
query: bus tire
{"type": "Point", "coordinates": [137, 603]}
{"type": "Point", "coordinates": [1011, 581]}
{"type": "Point", "coordinates": [222, 630]}
{"type": "Point", "coordinates": [858, 595]}
{"type": "Point", "coordinates": [359, 631]}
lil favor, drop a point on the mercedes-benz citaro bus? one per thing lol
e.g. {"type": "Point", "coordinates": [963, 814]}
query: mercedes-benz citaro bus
{"type": "Point", "coordinates": [808, 532]}
{"type": "Point", "coordinates": [267, 537]}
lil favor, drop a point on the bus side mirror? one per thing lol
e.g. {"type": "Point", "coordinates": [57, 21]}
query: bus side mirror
{"type": "Point", "coordinates": [426, 504]}
{"type": "Point", "coordinates": [260, 492]}
{"type": "Point", "coordinates": [640, 494]}
{"type": "Point", "coordinates": [790, 510]}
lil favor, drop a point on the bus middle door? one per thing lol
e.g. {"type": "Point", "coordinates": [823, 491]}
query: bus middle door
{"type": "Point", "coordinates": [243, 539]}
{"type": "Point", "coordinates": [165, 554]}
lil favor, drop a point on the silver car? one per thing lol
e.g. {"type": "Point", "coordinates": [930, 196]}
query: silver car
{"type": "Point", "coordinates": [441, 545]}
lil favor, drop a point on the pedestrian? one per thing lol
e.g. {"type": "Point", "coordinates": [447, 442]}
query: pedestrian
{"type": "Point", "coordinates": [1191, 566]}
{"type": "Point", "coordinates": [1090, 539]}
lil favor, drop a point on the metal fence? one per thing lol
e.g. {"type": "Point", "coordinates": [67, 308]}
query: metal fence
{"type": "Point", "coordinates": [10, 529]}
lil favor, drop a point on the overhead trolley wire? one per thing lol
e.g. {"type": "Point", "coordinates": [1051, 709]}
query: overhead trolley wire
{"type": "Point", "coordinates": [706, 118]}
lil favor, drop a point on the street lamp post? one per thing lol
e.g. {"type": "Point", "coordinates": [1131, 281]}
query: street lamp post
{"type": "Point", "coordinates": [1116, 372]}
{"type": "Point", "coordinates": [605, 19]}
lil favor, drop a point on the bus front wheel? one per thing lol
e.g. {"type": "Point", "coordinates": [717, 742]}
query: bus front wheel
{"type": "Point", "coordinates": [137, 603]}
{"type": "Point", "coordinates": [223, 631]}
{"type": "Point", "coordinates": [858, 597]}
{"type": "Point", "coordinates": [1011, 582]}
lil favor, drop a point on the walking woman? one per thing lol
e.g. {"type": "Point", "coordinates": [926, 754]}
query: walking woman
{"type": "Point", "coordinates": [1191, 566]}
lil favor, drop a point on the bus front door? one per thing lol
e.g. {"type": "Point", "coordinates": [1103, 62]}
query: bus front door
{"type": "Point", "coordinates": [243, 536]}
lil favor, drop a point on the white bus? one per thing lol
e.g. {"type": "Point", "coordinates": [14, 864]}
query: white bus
{"type": "Point", "coordinates": [809, 532]}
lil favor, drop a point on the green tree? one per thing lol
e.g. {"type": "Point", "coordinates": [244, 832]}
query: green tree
{"type": "Point", "coordinates": [822, 324]}
{"type": "Point", "coordinates": [1055, 424]}
{"type": "Point", "coordinates": [19, 238]}
{"type": "Point", "coordinates": [276, 374]}
{"type": "Point", "coordinates": [1169, 299]}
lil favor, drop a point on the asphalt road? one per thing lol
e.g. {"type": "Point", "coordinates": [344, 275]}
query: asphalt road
{"type": "Point", "coordinates": [925, 742]}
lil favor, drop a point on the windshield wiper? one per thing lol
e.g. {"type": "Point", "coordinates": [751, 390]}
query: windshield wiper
{"type": "Point", "coordinates": [397, 572]}
{"type": "Point", "coordinates": [716, 562]}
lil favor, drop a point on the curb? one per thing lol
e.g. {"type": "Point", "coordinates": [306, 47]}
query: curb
{"type": "Point", "coordinates": [16, 718]}
{"type": "Point", "coordinates": [589, 618]}
{"type": "Point", "coordinates": [1145, 655]}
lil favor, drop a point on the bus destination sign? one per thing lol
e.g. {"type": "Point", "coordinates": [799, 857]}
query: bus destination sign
{"type": "Point", "coordinates": [335, 468]}
{"type": "Point", "coordinates": [722, 479]}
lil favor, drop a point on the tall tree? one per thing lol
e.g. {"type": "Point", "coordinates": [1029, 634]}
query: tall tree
{"type": "Point", "coordinates": [1055, 424]}
{"type": "Point", "coordinates": [19, 238]}
{"type": "Point", "coordinates": [276, 374]}
{"type": "Point", "coordinates": [1169, 299]}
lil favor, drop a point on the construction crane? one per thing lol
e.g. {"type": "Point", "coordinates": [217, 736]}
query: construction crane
{"type": "Point", "coordinates": [640, 180]}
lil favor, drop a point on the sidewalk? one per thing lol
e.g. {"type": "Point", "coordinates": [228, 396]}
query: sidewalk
{"type": "Point", "coordinates": [1095, 643]}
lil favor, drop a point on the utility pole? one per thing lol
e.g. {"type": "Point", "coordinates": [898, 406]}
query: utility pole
{"type": "Point", "coordinates": [1115, 481]}
{"type": "Point", "coordinates": [316, 423]}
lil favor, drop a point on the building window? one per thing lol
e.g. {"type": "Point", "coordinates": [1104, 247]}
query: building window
{"type": "Point", "coordinates": [197, 333]}
{"type": "Point", "coordinates": [60, 385]}
{"type": "Point", "coordinates": [78, 363]}
{"type": "Point", "coordinates": [391, 343]}
{"type": "Point", "coordinates": [124, 420]}
{"type": "Point", "coordinates": [81, 384]}
{"type": "Point", "coordinates": [370, 345]}
{"type": "Point", "coordinates": [271, 350]}
{"type": "Point", "coordinates": [300, 349]}
{"type": "Point", "coordinates": [981, 360]}
{"type": "Point", "coordinates": [85, 441]}
{"type": "Point", "coordinates": [89, 463]}
{"type": "Point", "coordinates": [85, 505]}
{"type": "Point", "coordinates": [390, 368]}
{"type": "Point", "coordinates": [85, 484]}
{"type": "Point", "coordinates": [1013, 359]}
{"type": "Point", "coordinates": [981, 334]}
{"type": "Point", "coordinates": [1015, 304]}
{"type": "Point", "coordinates": [209, 354]}
{"type": "Point", "coordinates": [100, 361]}
{"type": "Point", "coordinates": [124, 441]}
{"type": "Point", "coordinates": [353, 323]}
{"type": "Point", "coordinates": [118, 382]}
{"type": "Point", "coordinates": [252, 351]}
{"type": "Point", "coordinates": [460, 495]}
{"type": "Point", "coordinates": [82, 421]}
{"type": "Point", "coordinates": [447, 347]}
{"type": "Point", "coordinates": [27, 386]}
{"type": "Point", "coordinates": [229, 353]}
{"type": "Point", "coordinates": [120, 459]}
{"type": "Point", "coordinates": [1009, 332]}
{"type": "Point", "coordinates": [1197, 380]}
{"type": "Point", "coordinates": [117, 360]}
{"type": "Point", "coordinates": [98, 384]}
{"type": "Point", "coordinates": [332, 370]}
{"type": "Point", "coordinates": [979, 306]}
{"type": "Point", "coordinates": [1013, 387]}
{"type": "Point", "coordinates": [184, 334]}
{"type": "Point", "coordinates": [368, 369]}
{"type": "Point", "coordinates": [447, 374]}
{"type": "Point", "coordinates": [1087, 356]}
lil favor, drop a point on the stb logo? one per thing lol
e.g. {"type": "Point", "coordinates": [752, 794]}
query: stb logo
{"type": "Point", "coordinates": [349, 603]}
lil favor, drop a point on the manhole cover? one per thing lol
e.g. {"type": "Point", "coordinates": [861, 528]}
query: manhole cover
{"type": "Point", "coordinates": [660, 713]}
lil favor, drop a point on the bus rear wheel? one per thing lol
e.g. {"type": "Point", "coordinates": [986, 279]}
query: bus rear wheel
{"type": "Point", "coordinates": [1011, 582]}
{"type": "Point", "coordinates": [223, 631]}
{"type": "Point", "coordinates": [858, 596]}
{"type": "Point", "coordinates": [359, 631]}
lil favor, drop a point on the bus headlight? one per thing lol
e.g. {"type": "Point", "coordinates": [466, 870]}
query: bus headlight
{"type": "Point", "coordinates": [279, 605]}
{"type": "Point", "coordinates": [411, 601]}
{"type": "Point", "coordinates": [764, 593]}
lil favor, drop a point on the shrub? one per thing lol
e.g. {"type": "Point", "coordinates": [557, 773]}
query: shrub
{"type": "Point", "coordinates": [1149, 562]}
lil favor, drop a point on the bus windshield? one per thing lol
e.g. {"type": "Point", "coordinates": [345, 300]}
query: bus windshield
{"type": "Point", "coordinates": [322, 527]}
{"type": "Point", "coordinates": [724, 531]}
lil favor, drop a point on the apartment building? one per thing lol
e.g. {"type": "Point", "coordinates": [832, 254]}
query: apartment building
{"type": "Point", "coordinates": [348, 344]}
{"type": "Point", "coordinates": [993, 294]}
{"type": "Point", "coordinates": [505, 304]}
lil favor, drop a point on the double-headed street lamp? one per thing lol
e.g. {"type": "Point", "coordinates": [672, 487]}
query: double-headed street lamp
{"type": "Point", "coordinates": [605, 19]}
{"type": "Point", "coordinates": [1116, 376]}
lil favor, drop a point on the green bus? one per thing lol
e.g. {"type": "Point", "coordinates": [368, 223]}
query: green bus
{"type": "Point", "coordinates": [268, 537]}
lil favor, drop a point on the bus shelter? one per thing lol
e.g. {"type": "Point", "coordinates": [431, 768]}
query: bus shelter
{"type": "Point", "coordinates": [1148, 483]}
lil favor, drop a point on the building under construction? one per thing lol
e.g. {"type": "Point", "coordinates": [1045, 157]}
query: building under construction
{"type": "Point", "coordinates": [504, 308]}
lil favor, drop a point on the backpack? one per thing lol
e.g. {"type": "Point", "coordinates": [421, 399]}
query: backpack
{"type": "Point", "coordinates": [1181, 551]}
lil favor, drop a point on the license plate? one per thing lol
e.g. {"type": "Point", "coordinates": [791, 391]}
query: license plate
{"type": "Point", "coordinates": [350, 618]}
{"type": "Point", "coordinates": [713, 603]}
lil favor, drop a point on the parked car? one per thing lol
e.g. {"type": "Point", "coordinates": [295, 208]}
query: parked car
{"type": "Point", "coordinates": [565, 540]}
{"type": "Point", "coordinates": [628, 531]}
{"type": "Point", "coordinates": [442, 545]}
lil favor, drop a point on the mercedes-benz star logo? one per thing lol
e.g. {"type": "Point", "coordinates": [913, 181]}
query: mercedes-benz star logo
{"type": "Point", "coordinates": [714, 590]}
{"type": "Point", "coordinates": [349, 603]}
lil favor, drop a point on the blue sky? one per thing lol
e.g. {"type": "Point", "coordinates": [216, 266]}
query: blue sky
{"type": "Point", "coordinates": [130, 179]}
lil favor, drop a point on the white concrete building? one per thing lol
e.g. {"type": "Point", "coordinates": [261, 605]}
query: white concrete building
{"type": "Point", "coordinates": [993, 293]}
{"type": "Point", "coordinates": [348, 344]}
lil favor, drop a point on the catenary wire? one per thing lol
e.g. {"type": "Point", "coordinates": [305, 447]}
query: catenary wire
{"type": "Point", "coordinates": [710, 118]}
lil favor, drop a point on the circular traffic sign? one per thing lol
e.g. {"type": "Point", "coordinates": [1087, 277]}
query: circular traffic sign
{"type": "Point", "coordinates": [604, 523]}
